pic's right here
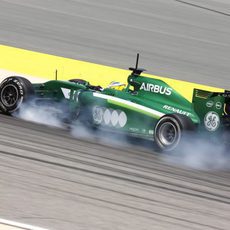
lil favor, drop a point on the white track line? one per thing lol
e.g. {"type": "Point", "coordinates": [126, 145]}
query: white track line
{"type": "Point", "coordinates": [16, 225]}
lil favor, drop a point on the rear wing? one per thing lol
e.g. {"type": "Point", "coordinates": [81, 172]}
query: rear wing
{"type": "Point", "coordinates": [219, 99]}
{"type": "Point", "coordinates": [211, 107]}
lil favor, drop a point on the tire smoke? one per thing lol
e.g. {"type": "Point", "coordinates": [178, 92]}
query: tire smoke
{"type": "Point", "coordinates": [193, 153]}
{"type": "Point", "coordinates": [100, 136]}
{"type": "Point", "coordinates": [42, 114]}
{"type": "Point", "coordinates": [200, 154]}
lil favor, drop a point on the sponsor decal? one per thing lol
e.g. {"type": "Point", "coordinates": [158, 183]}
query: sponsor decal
{"type": "Point", "coordinates": [19, 86]}
{"type": "Point", "coordinates": [151, 132]}
{"type": "Point", "coordinates": [109, 117]}
{"type": "Point", "coordinates": [76, 95]}
{"type": "Point", "coordinates": [134, 129]}
{"type": "Point", "coordinates": [156, 88]}
{"type": "Point", "coordinates": [211, 121]}
{"type": "Point", "coordinates": [176, 110]}
{"type": "Point", "coordinates": [122, 119]}
{"type": "Point", "coordinates": [218, 105]}
{"type": "Point", "coordinates": [98, 115]}
{"type": "Point", "coordinates": [209, 104]}
{"type": "Point", "coordinates": [130, 105]}
{"type": "Point", "coordinates": [66, 92]}
{"type": "Point", "coordinates": [226, 95]}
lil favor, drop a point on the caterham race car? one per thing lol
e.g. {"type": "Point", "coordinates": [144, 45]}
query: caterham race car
{"type": "Point", "coordinates": [146, 107]}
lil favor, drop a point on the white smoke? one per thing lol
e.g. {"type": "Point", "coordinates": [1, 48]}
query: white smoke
{"type": "Point", "coordinates": [98, 135]}
{"type": "Point", "coordinates": [194, 153]}
{"type": "Point", "coordinates": [50, 115]}
{"type": "Point", "coordinates": [82, 132]}
{"type": "Point", "coordinates": [42, 114]}
{"type": "Point", "coordinates": [200, 154]}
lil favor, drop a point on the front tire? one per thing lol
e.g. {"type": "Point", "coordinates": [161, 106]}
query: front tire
{"type": "Point", "coordinates": [13, 92]}
{"type": "Point", "coordinates": [170, 130]}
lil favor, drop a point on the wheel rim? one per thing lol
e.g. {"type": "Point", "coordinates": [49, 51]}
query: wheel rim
{"type": "Point", "coordinates": [168, 134]}
{"type": "Point", "coordinates": [9, 95]}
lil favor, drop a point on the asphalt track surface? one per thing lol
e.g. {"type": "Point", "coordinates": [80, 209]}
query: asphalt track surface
{"type": "Point", "coordinates": [50, 179]}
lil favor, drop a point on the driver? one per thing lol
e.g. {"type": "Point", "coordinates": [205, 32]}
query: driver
{"type": "Point", "coordinates": [117, 85]}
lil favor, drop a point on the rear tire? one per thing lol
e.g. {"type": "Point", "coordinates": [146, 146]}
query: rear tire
{"type": "Point", "coordinates": [13, 92]}
{"type": "Point", "coordinates": [170, 130]}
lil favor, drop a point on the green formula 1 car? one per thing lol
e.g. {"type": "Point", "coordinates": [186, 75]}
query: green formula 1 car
{"type": "Point", "coordinates": [146, 107]}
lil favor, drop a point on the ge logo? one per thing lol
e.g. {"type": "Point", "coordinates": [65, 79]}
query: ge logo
{"type": "Point", "coordinates": [211, 121]}
{"type": "Point", "coordinates": [109, 117]}
{"type": "Point", "coordinates": [98, 115]}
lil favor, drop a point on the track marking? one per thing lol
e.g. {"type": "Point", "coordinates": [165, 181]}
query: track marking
{"type": "Point", "coordinates": [203, 7]}
{"type": "Point", "coordinates": [12, 225]}
{"type": "Point", "coordinates": [44, 66]}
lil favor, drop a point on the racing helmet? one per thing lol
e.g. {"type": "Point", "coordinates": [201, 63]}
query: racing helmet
{"type": "Point", "coordinates": [117, 85]}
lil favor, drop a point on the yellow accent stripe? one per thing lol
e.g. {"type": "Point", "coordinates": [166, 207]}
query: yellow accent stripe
{"type": "Point", "coordinates": [44, 66]}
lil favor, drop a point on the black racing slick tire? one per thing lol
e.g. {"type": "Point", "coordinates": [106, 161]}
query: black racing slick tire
{"type": "Point", "coordinates": [170, 130]}
{"type": "Point", "coordinates": [13, 92]}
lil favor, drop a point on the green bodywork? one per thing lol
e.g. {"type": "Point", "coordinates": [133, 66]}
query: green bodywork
{"type": "Point", "coordinates": [135, 109]}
